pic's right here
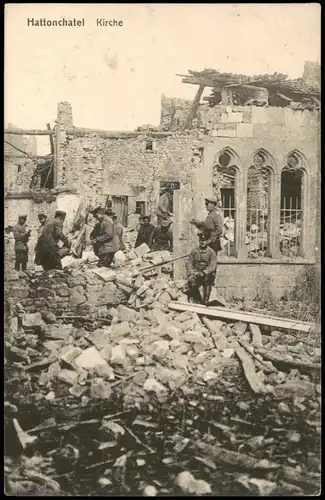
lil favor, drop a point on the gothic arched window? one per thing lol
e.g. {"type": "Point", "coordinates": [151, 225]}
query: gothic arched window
{"type": "Point", "coordinates": [224, 189]}
{"type": "Point", "coordinates": [292, 205]}
{"type": "Point", "coordinates": [258, 205]}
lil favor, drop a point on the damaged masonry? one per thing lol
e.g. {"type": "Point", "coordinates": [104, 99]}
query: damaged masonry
{"type": "Point", "coordinates": [115, 383]}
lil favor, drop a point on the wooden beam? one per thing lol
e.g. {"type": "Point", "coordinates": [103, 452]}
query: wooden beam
{"type": "Point", "coordinates": [80, 132]}
{"type": "Point", "coordinates": [42, 157]}
{"type": "Point", "coordinates": [8, 131]}
{"type": "Point", "coordinates": [260, 319]}
{"type": "Point", "coordinates": [48, 126]}
{"type": "Point", "coordinates": [195, 106]}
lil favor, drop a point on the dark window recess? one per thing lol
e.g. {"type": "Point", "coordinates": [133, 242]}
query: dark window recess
{"type": "Point", "coordinates": [19, 169]}
{"type": "Point", "coordinates": [149, 145]}
{"type": "Point", "coordinates": [43, 177]}
{"type": "Point", "coordinates": [108, 204]}
{"type": "Point", "coordinates": [140, 207]}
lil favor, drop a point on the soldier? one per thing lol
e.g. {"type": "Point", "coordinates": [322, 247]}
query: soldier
{"type": "Point", "coordinates": [47, 249]}
{"type": "Point", "coordinates": [162, 237]}
{"type": "Point", "coordinates": [163, 209]}
{"type": "Point", "coordinates": [144, 232]}
{"type": "Point", "coordinates": [119, 231]}
{"type": "Point", "coordinates": [213, 224]}
{"type": "Point", "coordinates": [42, 220]}
{"type": "Point", "coordinates": [107, 241]}
{"type": "Point", "coordinates": [201, 268]}
{"type": "Point", "coordinates": [21, 236]}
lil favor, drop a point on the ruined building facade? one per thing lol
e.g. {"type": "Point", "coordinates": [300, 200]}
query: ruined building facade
{"type": "Point", "coordinates": [262, 162]}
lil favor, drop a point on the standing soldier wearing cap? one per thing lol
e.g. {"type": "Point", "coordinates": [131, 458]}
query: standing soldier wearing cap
{"type": "Point", "coordinates": [42, 219]}
{"type": "Point", "coordinates": [201, 268]}
{"type": "Point", "coordinates": [47, 249]}
{"type": "Point", "coordinates": [107, 241]}
{"type": "Point", "coordinates": [213, 224]}
{"type": "Point", "coordinates": [162, 237]}
{"type": "Point", "coordinates": [144, 232]}
{"type": "Point", "coordinates": [119, 231]}
{"type": "Point", "coordinates": [163, 209]}
{"type": "Point", "coordinates": [21, 236]}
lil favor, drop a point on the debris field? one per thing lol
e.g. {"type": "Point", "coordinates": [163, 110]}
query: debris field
{"type": "Point", "coordinates": [109, 390]}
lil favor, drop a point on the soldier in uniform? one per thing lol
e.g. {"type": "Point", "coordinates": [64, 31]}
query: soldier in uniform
{"type": "Point", "coordinates": [144, 232]}
{"type": "Point", "coordinates": [213, 224]}
{"type": "Point", "coordinates": [201, 268]}
{"type": "Point", "coordinates": [47, 249]}
{"type": "Point", "coordinates": [119, 231]}
{"type": "Point", "coordinates": [162, 237]}
{"type": "Point", "coordinates": [106, 241]}
{"type": "Point", "coordinates": [21, 236]}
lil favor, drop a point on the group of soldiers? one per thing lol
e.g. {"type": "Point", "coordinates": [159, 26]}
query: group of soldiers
{"type": "Point", "coordinates": [107, 238]}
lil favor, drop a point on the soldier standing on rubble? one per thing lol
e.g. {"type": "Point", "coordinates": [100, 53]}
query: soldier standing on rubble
{"type": "Point", "coordinates": [163, 209]}
{"type": "Point", "coordinates": [21, 236]}
{"type": "Point", "coordinates": [162, 237]}
{"type": "Point", "coordinates": [47, 249]}
{"type": "Point", "coordinates": [42, 219]}
{"type": "Point", "coordinates": [119, 231]}
{"type": "Point", "coordinates": [201, 268]}
{"type": "Point", "coordinates": [107, 241]}
{"type": "Point", "coordinates": [213, 224]}
{"type": "Point", "coordinates": [144, 232]}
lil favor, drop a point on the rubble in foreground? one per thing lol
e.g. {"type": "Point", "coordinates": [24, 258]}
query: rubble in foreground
{"type": "Point", "coordinates": [131, 397]}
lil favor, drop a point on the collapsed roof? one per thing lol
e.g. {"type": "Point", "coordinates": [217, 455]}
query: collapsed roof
{"type": "Point", "coordinates": [280, 90]}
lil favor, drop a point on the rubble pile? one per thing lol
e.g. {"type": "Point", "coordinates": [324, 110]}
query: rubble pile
{"type": "Point", "coordinates": [142, 399]}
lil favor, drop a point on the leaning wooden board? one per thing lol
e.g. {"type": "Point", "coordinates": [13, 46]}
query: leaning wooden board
{"type": "Point", "coordinates": [260, 319]}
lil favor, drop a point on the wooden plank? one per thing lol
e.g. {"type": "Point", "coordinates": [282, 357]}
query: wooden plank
{"type": "Point", "coordinates": [222, 312]}
{"type": "Point", "coordinates": [27, 132]}
{"type": "Point", "coordinates": [80, 132]}
{"type": "Point", "coordinates": [48, 126]}
{"type": "Point", "coordinates": [193, 110]}
{"type": "Point", "coordinates": [39, 157]}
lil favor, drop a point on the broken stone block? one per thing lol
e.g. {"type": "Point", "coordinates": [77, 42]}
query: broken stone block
{"type": "Point", "coordinates": [120, 329]}
{"type": "Point", "coordinates": [100, 389]}
{"type": "Point", "coordinates": [209, 375]}
{"type": "Point", "coordinates": [119, 257]}
{"type": "Point", "coordinates": [160, 347]}
{"type": "Point", "coordinates": [106, 352]}
{"type": "Point", "coordinates": [32, 320]}
{"type": "Point", "coordinates": [100, 337]}
{"type": "Point", "coordinates": [69, 354]}
{"type": "Point", "coordinates": [151, 385]}
{"type": "Point", "coordinates": [105, 372]}
{"type": "Point", "coordinates": [61, 332]}
{"type": "Point", "coordinates": [89, 358]}
{"type": "Point", "coordinates": [294, 388]}
{"type": "Point", "coordinates": [228, 353]}
{"type": "Point", "coordinates": [126, 314]}
{"type": "Point", "coordinates": [191, 486]}
{"type": "Point", "coordinates": [143, 288]}
{"type": "Point", "coordinates": [257, 338]}
{"type": "Point", "coordinates": [118, 355]}
{"type": "Point", "coordinates": [131, 255]}
{"type": "Point", "coordinates": [54, 369]}
{"type": "Point", "coordinates": [142, 250]}
{"type": "Point", "coordinates": [68, 376]}
{"type": "Point", "coordinates": [184, 316]}
{"type": "Point", "coordinates": [53, 345]}
{"type": "Point", "coordinates": [192, 336]}
{"type": "Point", "coordinates": [50, 396]}
{"type": "Point", "coordinates": [77, 296]}
{"type": "Point", "coordinates": [239, 327]}
{"type": "Point", "coordinates": [105, 273]}
{"type": "Point", "coordinates": [77, 390]}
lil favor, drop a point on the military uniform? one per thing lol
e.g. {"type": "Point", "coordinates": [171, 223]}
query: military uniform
{"type": "Point", "coordinates": [107, 242]}
{"type": "Point", "coordinates": [201, 268]}
{"type": "Point", "coordinates": [21, 236]}
{"type": "Point", "coordinates": [47, 249]}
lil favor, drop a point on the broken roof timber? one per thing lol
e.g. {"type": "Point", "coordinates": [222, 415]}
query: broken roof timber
{"type": "Point", "coordinates": [80, 132]}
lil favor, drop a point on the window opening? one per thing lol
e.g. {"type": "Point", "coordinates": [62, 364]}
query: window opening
{"type": "Point", "coordinates": [224, 189]}
{"type": "Point", "coordinates": [140, 207]}
{"type": "Point", "coordinates": [291, 212]}
{"type": "Point", "coordinates": [258, 207]}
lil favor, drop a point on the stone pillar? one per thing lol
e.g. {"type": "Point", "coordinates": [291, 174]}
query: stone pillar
{"type": "Point", "coordinates": [182, 230]}
{"type": "Point", "coordinates": [65, 115]}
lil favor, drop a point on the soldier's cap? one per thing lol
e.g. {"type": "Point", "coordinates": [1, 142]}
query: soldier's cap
{"type": "Point", "coordinates": [166, 221]}
{"type": "Point", "coordinates": [60, 213]}
{"type": "Point", "coordinates": [42, 216]}
{"type": "Point", "coordinates": [97, 210]}
{"type": "Point", "coordinates": [145, 217]}
{"type": "Point", "coordinates": [22, 217]}
{"type": "Point", "coordinates": [212, 200]}
{"type": "Point", "coordinates": [203, 237]}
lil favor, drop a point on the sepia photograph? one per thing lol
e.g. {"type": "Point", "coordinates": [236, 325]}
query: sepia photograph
{"type": "Point", "coordinates": [162, 233]}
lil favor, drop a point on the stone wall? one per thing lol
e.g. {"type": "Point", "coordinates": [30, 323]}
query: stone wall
{"type": "Point", "coordinates": [257, 281]}
{"type": "Point", "coordinates": [60, 292]}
